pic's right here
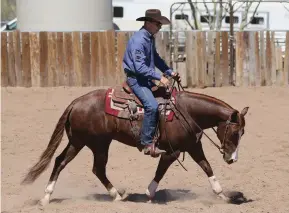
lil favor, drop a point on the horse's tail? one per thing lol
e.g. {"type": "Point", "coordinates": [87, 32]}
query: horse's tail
{"type": "Point", "coordinates": [53, 144]}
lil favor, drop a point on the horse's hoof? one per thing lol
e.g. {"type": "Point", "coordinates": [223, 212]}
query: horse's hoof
{"type": "Point", "coordinates": [115, 194]}
{"type": "Point", "coordinates": [223, 197]}
{"type": "Point", "coordinates": [118, 198]}
{"type": "Point", "coordinates": [43, 202]}
{"type": "Point", "coordinates": [149, 195]}
{"type": "Point", "coordinates": [151, 190]}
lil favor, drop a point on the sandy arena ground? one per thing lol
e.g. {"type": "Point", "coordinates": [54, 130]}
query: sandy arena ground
{"type": "Point", "coordinates": [261, 174]}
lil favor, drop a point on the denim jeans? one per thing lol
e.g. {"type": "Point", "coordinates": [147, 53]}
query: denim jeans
{"type": "Point", "coordinates": [143, 91]}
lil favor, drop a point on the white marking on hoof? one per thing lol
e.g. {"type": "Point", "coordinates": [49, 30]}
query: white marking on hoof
{"type": "Point", "coordinates": [48, 191]}
{"type": "Point", "coordinates": [114, 194]}
{"type": "Point", "coordinates": [44, 201]}
{"type": "Point", "coordinates": [217, 188]}
{"type": "Point", "coordinates": [118, 198]}
{"type": "Point", "coordinates": [151, 190]}
{"type": "Point", "coordinates": [215, 185]}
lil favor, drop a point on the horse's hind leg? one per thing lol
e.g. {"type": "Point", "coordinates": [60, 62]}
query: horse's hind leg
{"type": "Point", "coordinates": [165, 162]}
{"type": "Point", "coordinates": [197, 153]}
{"type": "Point", "coordinates": [100, 149]}
{"type": "Point", "coordinates": [70, 151]}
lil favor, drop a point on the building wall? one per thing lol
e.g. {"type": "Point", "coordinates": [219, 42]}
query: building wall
{"type": "Point", "coordinates": [64, 15]}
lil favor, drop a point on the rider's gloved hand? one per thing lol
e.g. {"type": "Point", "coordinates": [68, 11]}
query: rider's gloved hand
{"type": "Point", "coordinates": [176, 77]}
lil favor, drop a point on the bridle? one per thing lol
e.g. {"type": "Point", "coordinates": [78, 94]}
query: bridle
{"type": "Point", "coordinates": [227, 122]}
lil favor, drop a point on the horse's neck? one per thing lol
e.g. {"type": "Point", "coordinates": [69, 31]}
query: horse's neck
{"type": "Point", "coordinates": [207, 111]}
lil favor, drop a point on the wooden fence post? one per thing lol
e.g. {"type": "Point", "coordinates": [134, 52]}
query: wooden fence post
{"type": "Point", "coordinates": [239, 58]}
{"type": "Point", "coordinates": [257, 59]}
{"type": "Point", "coordinates": [262, 60]}
{"type": "Point", "coordinates": [268, 71]}
{"type": "Point", "coordinates": [26, 60]}
{"type": "Point", "coordinates": [43, 59]}
{"type": "Point", "coordinates": [12, 81]}
{"type": "Point", "coordinates": [52, 75]}
{"type": "Point", "coordinates": [211, 59]}
{"type": "Point", "coordinates": [86, 59]}
{"type": "Point", "coordinates": [217, 76]}
{"type": "Point", "coordinates": [252, 59]}
{"type": "Point", "coordinates": [286, 61]}
{"type": "Point", "coordinates": [122, 38]}
{"type": "Point", "coordinates": [4, 60]}
{"type": "Point", "coordinates": [225, 59]}
{"type": "Point", "coordinates": [20, 76]}
{"type": "Point", "coordinates": [77, 58]}
{"type": "Point", "coordinates": [111, 59]}
{"type": "Point", "coordinates": [35, 59]}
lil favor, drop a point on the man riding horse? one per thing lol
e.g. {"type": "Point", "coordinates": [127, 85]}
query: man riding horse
{"type": "Point", "coordinates": [89, 121]}
{"type": "Point", "coordinates": [140, 59]}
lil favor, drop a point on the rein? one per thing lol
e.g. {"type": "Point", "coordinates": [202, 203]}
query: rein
{"type": "Point", "coordinates": [228, 122]}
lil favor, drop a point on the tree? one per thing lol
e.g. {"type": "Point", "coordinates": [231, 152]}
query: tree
{"type": "Point", "coordinates": [247, 7]}
{"type": "Point", "coordinates": [217, 10]}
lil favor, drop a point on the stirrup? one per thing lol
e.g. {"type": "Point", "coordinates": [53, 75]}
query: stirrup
{"type": "Point", "coordinates": [153, 151]}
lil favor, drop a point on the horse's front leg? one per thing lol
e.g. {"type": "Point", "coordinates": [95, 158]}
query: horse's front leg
{"type": "Point", "coordinates": [165, 161]}
{"type": "Point", "coordinates": [197, 153]}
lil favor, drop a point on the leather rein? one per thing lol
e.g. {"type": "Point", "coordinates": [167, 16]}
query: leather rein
{"type": "Point", "coordinates": [220, 148]}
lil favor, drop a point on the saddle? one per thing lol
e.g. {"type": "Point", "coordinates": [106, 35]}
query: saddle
{"type": "Point", "coordinates": [122, 102]}
{"type": "Point", "coordinates": [124, 95]}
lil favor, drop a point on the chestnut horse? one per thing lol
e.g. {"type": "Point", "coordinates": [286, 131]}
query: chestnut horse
{"type": "Point", "coordinates": [87, 124]}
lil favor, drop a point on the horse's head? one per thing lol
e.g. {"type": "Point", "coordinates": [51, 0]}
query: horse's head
{"type": "Point", "coordinates": [229, 133]}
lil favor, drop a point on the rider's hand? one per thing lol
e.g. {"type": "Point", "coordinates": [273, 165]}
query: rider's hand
{"type": "Point", "coordinates": [176, 76]}
{"type": "Point", "coordinates": [164, 81]}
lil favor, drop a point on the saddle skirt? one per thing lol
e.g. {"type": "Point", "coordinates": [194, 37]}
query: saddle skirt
{"type": "Point", "coordinates": [121, 102]}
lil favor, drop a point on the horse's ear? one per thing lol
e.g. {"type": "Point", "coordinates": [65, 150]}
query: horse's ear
{"type": "Point", "coordinates": [244, 111]}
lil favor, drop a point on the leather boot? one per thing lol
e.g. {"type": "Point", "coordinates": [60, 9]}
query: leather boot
{"type": "Point", "coordinates": [153, 151]}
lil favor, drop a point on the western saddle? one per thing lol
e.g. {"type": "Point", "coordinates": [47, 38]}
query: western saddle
{"type": "Point", "coordinates": [124, 95]}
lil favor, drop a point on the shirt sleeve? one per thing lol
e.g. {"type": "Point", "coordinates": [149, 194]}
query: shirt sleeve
{"type": "Point", "coordinates": [161, 65]}
{"type": "Point", "coordinates": [141, 68]}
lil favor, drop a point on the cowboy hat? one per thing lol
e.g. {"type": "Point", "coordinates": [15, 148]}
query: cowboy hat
{"type": "Point", "coordinates": [154, 15]}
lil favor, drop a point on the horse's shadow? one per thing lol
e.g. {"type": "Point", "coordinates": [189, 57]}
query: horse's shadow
{"type": "Point", "coordinates": [161, 197]}
{"type": "Point", "coordinates": [237, 198]}
{"type": "Point", "coordinates": [165, 196]}
{"type": "Point", "coordinates": [54, 200]}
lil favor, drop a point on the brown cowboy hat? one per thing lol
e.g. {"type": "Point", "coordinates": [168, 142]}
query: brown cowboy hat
{"type": "Point", "coordinates": [154, 15]}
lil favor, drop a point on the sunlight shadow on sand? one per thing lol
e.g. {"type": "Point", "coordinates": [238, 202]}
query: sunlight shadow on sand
{"type": "Point", "coordinates": [162, 196]}
{"type": "Point", "coordinates": [237, 198]}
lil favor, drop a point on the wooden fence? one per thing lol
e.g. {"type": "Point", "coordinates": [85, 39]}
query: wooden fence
{"type": "Point", "coordinates": [257, 61]}
{"type": "Point", "coordinates": [49, 59]}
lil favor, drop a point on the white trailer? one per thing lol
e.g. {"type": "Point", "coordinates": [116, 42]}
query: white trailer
{"type": "Point", "coordinates": [269, 15]}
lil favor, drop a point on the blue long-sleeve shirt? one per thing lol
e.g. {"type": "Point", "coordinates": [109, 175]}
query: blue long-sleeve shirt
{"type": "Point", "coordinates": [141, 57]}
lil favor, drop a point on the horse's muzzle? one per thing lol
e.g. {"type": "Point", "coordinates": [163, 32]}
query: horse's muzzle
{"type": "Point", "coordinates": [229, 160]}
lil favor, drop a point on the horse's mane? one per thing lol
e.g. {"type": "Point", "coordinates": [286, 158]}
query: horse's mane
{"type": "Point", "coordinates": [208, 98]}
